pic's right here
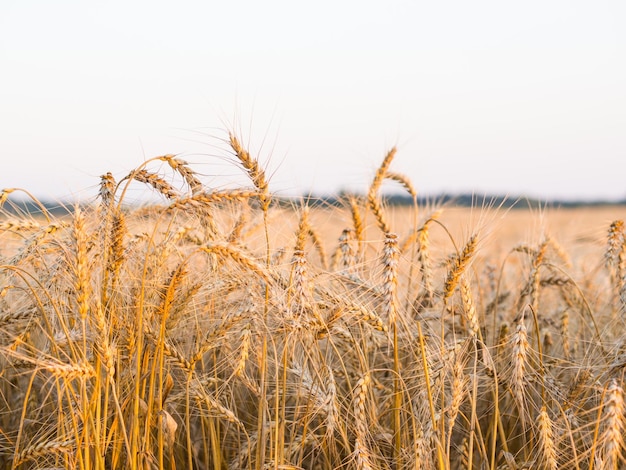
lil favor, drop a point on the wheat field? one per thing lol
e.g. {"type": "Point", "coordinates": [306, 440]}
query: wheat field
{"type": "Point", "coordinates": [221, 329]}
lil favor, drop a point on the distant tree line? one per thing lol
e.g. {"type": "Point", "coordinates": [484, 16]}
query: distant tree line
{"type": "Point", "coordinates": [470, 200]}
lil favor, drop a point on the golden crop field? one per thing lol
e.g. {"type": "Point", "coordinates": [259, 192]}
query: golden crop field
{"type": "Point", "coordinates": [221, 330]}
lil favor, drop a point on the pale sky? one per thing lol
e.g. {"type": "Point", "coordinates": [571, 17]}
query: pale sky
{"type": "Point", "coordinates": [519, 98]}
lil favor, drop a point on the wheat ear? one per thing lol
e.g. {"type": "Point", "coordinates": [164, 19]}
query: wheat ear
{"type": "Point", "coordinates": [614, 243]}
{"type": "Point", "coordinates": [614, 259]}
{"type": "Point", "coordinates": [362, 454]}
{"type": "Point", "coordinates": [43, 448]}
{"type": "Point", "coordinates": [469, 307]}
{"type": "Point", "coordinates": [107, 191]}
{"type": "Point", "coordinates": [372, 195]}
{"type": "Point", "coordinates": [357, 224]}
{"type": "Point", "coordinates": [252, 167]}
{"type": "Point", "coordinates": [183, 169]}
{"type": "Point", "coordinates": [425, 263]}
{"type": "Point", "coordinates": [154, 180]}
{"type": "Point", "coordinates": [348, 256]}
{"type": "Point", "coordinates": [547, 446]}
{"type": "Point", "coordinates": [238, 256]}
{"type": "Point", "coordinates": [82, 285]}
{"type": "Point", "coordinates": [458, 267]}
{"type": "Point", "coordinates": [612, 439]}
{"type": "Point", "coordinates": [519, 358]}
{"type": "Point", "coordinates": [535, 279]}
{"type": "Point", "coordinates": [404, 181]}
{"type": "Point", "coordinates": [390, 277]}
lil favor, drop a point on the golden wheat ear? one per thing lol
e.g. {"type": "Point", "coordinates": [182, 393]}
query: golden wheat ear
{"type": "Point", "coordinates": [459, 265]}
{"type": "Point", "coordinates": [182, 168]}
{"type": "Point", "coordinates": [373, 200]}
{"type": "Point", "coordinates": [253, 169]}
